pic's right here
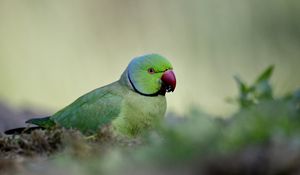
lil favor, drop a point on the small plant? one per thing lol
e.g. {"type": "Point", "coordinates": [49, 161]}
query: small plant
{"type": "Point", "coordinates": [260, 90]}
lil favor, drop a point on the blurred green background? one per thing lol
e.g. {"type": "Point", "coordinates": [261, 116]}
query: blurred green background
{"type": "Point", "coordinates": [51, 52]}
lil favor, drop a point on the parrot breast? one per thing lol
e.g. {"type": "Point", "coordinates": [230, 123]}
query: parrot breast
{"type": "Point", "coordinates": [139, 113]}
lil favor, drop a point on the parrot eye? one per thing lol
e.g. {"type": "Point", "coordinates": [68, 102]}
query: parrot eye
{"type": "Point", "coordinates": [151, 71]}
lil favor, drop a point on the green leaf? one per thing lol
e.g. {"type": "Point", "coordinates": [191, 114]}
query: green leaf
{"type": "Point", "coordinates": [242, 86]}
{"type": "Point", "coordinates": [265, 76]}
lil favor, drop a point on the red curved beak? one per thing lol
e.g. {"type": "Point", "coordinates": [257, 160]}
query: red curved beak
{"type": "Point", "coordinates": [169, 80]}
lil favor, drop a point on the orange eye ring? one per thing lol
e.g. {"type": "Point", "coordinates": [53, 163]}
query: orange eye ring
{"type": "Point", "coordinates": [151, 71]}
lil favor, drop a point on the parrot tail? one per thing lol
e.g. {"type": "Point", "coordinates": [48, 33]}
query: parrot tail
{"type": "Point", "coordinates": [44, 122]}
{"type": "Point", "coordinates": [22, 130]}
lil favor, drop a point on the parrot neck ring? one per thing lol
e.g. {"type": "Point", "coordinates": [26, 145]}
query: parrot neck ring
{"type": "Point", "coordinates": [162, 90]}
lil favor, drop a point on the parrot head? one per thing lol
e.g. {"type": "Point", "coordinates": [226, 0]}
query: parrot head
{"type": "Point", "coordinates": [151, 75]}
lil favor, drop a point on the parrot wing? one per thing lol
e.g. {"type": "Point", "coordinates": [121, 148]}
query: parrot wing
{"type": "Point", "coordinates": [91, 111]}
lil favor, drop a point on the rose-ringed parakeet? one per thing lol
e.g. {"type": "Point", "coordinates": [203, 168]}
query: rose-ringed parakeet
{"type": "Point", "coordinates": [130, 105]}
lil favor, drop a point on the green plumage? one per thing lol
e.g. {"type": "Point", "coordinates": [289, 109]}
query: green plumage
{"type": "Point", "coordinates": [118, 104]}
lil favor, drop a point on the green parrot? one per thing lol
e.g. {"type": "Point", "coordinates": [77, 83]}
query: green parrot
{"type": "Point", "coordinates": [130, 105]}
